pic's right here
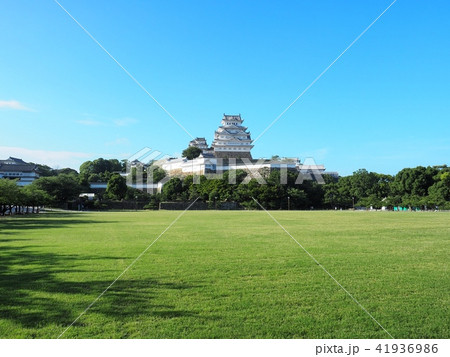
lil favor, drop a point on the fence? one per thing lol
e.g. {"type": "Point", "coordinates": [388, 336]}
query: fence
{"type": "Point", "coordinates": [197, 206]}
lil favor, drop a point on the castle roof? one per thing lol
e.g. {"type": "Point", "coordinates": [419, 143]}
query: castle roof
{"type": "Point", "coordinates": [17, 167]}
{"type": "Point", "coordinates": [13, 161]}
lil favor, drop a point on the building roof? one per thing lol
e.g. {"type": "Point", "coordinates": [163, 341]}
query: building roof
{"type": "Point", "coordinates": [13, 164]}
{"type": "Point", "coordinates": [231, 116]}
{"type": "Point", "coordinates": [17, 167]}
{"type": "Point", "coordinates": [12, 161]}
{"type": "Point", "coordinates": [198, 142]}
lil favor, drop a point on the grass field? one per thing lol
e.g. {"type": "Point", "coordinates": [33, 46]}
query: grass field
{"type": "Point", "coordinates": [225, 275]}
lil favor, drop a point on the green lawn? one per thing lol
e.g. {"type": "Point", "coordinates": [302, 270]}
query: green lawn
{"type": "Point", "coordinates": [225, 275]}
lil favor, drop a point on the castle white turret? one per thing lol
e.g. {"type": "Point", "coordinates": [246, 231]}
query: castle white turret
{"type": "Point", "coordinates": [199, 143]}
{"type": "Point", "coordinates": [231, 139]}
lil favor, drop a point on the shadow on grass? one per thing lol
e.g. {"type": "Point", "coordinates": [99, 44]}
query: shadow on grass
{"type": "Point", "coordinates": [17, 224]}
{"type": "Point", "coordinates": [33, 296]}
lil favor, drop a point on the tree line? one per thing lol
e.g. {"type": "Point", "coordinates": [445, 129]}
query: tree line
{"type": "Point", "coordinates": [419, 187]}
{"type": "Point", "coordinates": [56, 188]}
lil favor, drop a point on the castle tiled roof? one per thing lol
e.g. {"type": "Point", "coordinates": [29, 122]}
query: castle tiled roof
{"type": "Point", "coordinates": [13, 164]}
{"type": "Point", "coordinates": [17, 167]}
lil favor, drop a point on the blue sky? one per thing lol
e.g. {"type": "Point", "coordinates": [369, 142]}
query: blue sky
{"type": "Point", "coordinates": [383, 106]}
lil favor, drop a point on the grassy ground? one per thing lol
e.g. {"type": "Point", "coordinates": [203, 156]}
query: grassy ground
{"type": "Point", "coordinates": [225, 275]}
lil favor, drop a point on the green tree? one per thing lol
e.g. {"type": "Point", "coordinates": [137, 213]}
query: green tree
{"type": "Point", "coordinates": [102, 167]}
{"type": "Point", "coordinates": [298, 199]}
{"type": "Point", "coordinates": [234, 176]}
{"type": "Point", "coordinates": [61, 188]}
{"type": "Point", "coordinates": [191, 152]}
{"type": "Point", "coordinates": [67, 171]}
{"type": "Point", "coordinates": [116, 187]}
{"type": "Point", "coordinates": [439, 192]}
{"type": "Point", "coordinates": [155, 174]}
{"type": "Point", "coordinates": [362, 188]}
{"type": "Point", "coordinates": [363, 184]}
{"type": "Point", "coordinates": [135, 194]}
{"type": "Point", "coordinates": [34, 197]}
{"type": "Point", "coordinates": [172, 189]}
{"type": "Point", "coordinates": [153, 202]}
{"type": "Point", "coordinates": [415, 181]}
{"type": "Point", "coordinates": [194, 190]}
{"type": "Point", "coordinates": [9, 195]}
{"type": "Point", "coordinates": [331, 194]}
{"type": "Point", "coordinates": [45, 171]}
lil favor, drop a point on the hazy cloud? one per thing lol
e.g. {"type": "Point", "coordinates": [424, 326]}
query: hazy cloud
{"type": "Point", "coordinates": [14, 104]}
{"type": "Point", "coordinates": [317, 154]}
{"type": "Point", "coordinates": [124, 121]}
{"type": "Point", "coordinates": [89, 122]}
{"type": "Point", "coordinates": [118, 141]}
{"type": "Point", "coordinates": [108, 122]}
{"type": "Point", "coordinates": [53, 159]}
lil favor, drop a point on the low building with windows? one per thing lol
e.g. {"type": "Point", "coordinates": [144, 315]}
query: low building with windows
{"type": "Point", "coordinates": [17, 169]}
{"type": "Point", "coordinates": [213, 165]}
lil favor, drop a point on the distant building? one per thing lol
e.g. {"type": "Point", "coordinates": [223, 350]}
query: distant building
{"type": "Point", "coordinates": [204, 165]}
{"type": "Point", "coordinates": [231, 150]}
{"type": "Point", "coordinates": [231, 139]}
{"type": "Point", "coordinates": [14, 168]}
{"type": "Point", "coordinates": [199, 143]}
{"type": "Point", "coordinates": [182, 167]}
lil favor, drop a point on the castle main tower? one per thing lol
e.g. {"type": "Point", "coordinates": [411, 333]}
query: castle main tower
{"type": "Point", "coordinates": [231, 139]}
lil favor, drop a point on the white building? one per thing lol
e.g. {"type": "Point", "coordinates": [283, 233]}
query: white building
{"type": "Point", "coordinates": [231, 139]}
{"type": "Point", "coordinates": [199, 143]}
{"type": "Point", "coordinates": [230, 150]}
{"type": "Point", "coordinates": [14, 168]}
{"type": "Point", "coordinates": [184, 167]}
{"type": "Point", "coordinates": [204, 165]}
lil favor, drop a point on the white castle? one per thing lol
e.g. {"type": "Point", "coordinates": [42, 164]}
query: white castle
{"type": "Point", "coordinates": [230, 150]}
{"type": "Point", "coordinates": [231, 140]}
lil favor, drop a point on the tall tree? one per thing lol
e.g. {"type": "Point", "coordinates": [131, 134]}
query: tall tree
{"type": "Point", "coordinates": [439, 192]}
{"type": "Point", "coordinates": [155, 174]}
{"type": "Point", "coordinates": [99, 169]}
{"type": "Point", "coordinates": [191, 152]}
{"type": "Point", "coordinates": [61, 188]}
{"type": "Point", "coordinates": [45, 171]}
{"type": "Point", "coordinates": [414, 181]}
{"type": "Point", "coordinates": [9, 195]}
{"type": "Point", "coordinates": [172, 189]}
{"type": "Point", "coordinates": [34, 197]}
{"type": "Point", "coordinates": [116, 187]}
